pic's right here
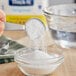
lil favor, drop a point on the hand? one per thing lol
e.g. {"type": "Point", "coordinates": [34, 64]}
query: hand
{"type": "Point", "coordinates": [2, 20]}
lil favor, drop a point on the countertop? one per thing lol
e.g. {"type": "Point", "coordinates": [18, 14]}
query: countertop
{"type": "Point", "coordinates": [68, 68]}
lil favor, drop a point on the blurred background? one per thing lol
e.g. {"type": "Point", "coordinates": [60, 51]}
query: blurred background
{"type": "Point", "coordinates": [19, 12]}
{"type": "Point", "coordinates": [54, 2]}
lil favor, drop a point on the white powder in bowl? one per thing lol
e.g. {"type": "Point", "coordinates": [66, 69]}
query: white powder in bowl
{"type": "Point", "coordinates": [39, 63]}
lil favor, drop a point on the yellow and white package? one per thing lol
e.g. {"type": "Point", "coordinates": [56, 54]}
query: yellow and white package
{"type": "Point", "coordinates": [19, 11]}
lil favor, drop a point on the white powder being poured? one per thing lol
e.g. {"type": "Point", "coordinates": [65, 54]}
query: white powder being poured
{"type": "Point", "coordinates": [35, 30]}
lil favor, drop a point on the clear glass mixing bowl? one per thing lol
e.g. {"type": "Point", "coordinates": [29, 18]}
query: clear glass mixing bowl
{"type": "Point", "coordinates": [37, 62]}
{"type": "Point", "coordinates": [61, 21]}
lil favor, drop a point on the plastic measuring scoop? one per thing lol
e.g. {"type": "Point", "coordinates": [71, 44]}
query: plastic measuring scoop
{"type": "Point", "coordinates": [35, 29]}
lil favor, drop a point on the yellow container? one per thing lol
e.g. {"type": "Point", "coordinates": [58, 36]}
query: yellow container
{"type": "Point", "coordinates": [22, 19]}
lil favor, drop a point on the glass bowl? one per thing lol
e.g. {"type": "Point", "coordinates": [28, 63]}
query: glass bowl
{"type": "Point", "coordinates": [38, 62]}
{"type": "Point", "coordinates": [61, 21]}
